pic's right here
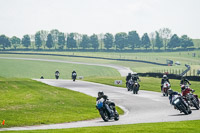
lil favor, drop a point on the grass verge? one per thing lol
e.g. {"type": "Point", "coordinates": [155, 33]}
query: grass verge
{"type": "Point", "coordinates": [164, 127]}
{"type": "Point", "coordinates": [27, 102]}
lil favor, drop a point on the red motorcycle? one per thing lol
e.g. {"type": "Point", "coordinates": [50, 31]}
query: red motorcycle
{"type": "Point", "coordinates": [188, 95]}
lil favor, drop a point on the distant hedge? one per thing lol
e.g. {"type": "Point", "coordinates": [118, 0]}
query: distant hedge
{"type": "Point", "coordinates": [170, 76]}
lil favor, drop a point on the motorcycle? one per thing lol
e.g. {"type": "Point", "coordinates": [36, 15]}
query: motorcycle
{"type": "Point", "coordinates": [57, 75]}
{"type": "Point", "coordinates": [74, 76]}
{"type": "Point", "coordinates": [136, 87]}
{"type": "Point", "coordinates": [180, 104]}
{"type": "Point", "coordinates": [191, 99]}
{"type": "Point", "coordinates": [165, 88]}
{"type": "Point", "coordinates": [103, 111]}
{"type": "Point", "coordinates": [130, 85]}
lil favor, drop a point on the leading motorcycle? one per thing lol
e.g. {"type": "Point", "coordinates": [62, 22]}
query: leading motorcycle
{"type": "Point", "coordinates": [179, 103]}
{"type": "Point", "coordinates": [103, 111]}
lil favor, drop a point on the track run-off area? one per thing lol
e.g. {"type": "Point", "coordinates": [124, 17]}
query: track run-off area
{"type": "Point", "coordinates": [145, 107]}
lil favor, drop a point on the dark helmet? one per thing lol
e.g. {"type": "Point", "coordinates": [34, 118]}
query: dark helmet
{"type": "Point", "coordinates": [129, 74]}
{"type": "Point", "coordinates": [100, 93]}
{"type": "Point", "coordinates": [183, 77]}
{"type": "Point", "coordinates": [170, 91]}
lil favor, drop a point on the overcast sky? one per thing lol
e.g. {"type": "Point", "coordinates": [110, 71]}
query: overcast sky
{"type": "Point", "coordinates": [20, 17]}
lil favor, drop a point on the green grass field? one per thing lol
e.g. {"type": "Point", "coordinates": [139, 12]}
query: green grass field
{"type": "Point", "coordinates": [27, 102]}
{"type": "Point", "coordinates": [34, 69]}
{"type": "Point", "coordinates": [164, 127]}
{"type": "Point", "coordinates": [135, 66]}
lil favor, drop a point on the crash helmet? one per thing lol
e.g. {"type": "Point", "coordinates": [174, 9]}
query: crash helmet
{"type": "Point", "coordinates": [170, 91]}
{"type": "Point", "coordinates": [165, 76]}
{"type": "Point", "coordinates": [182, 87]}
{"type": "Point", "coordinates": [100, 93]}
{"type": "Point", "coordinates": [129, 74]}
{"type": "Point", "coordinates": [183, 77]}
{"type": "Point", "coordinates": [134, 73]}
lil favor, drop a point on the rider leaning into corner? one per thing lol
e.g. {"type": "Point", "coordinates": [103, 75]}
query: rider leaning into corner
{"type": "Point", "coordinates": [163, 80]}
{"type": "Point", "coordinates": [106, 103]}
{"type": "Point", "coordinates": [171, 94]}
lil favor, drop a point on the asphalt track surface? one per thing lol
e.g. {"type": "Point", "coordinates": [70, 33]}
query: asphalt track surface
{"type": "Point", "coordinates": [122, 70]}
{"type": "Point", "coordinates": [145, 107]}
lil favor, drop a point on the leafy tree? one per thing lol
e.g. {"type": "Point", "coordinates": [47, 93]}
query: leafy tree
{"type": "Point", "coordinates": [78, 38]}
{"type": "Point", "coordinates": [43, 36]}
{"type": "Point", "coordinates": [85, 43]}
{"type": "Point", "coordinates": [133, 39]}
{"type": "Point", "coordinates": [71, 42]}
{"type": "Point", "coordinates": [26, 41]}
{"type": "Point", "coordinates": [4, 41]}
{"type": "Point", "coordinates": [174, 42]}
{"type": "Point", "coordinates": [121, 40]}
{"type": "Point", "coordinates": [61, 40]}
{"type": "Point", "coordinates": [101, 37]}
{"type": "Point", "coordinates": [145, 41]}
{"type": "Point", "coordinates": [38, 41]}
{"type": "Point", "coordinates": [186, 41]}
{"type": "Point", "coordinates": [49, 42]}
{"type": "Point", "coordinates": [158, 41]}
{"type": "Point", "coordinates": [15, 41]}
{"type": "Point", "coordinates": [54, 34]}
{"type": "Point", "coordinates": [165, 34]}
{"type": "Point", "coordinates": [152, 38]}
{"type": "Point", "coordinates": [94, 41]}
{"type": "Point", "coordinates": [108, 40]}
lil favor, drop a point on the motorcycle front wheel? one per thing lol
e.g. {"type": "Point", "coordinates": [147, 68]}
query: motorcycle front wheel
{"type": "Point", "coordinates": [104, 115]}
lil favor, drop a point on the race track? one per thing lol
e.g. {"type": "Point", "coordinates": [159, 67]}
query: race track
{"type": "Point", "coordinates": [146, 107]}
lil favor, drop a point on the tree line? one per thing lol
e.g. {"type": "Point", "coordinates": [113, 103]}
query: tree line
{"type": "Point", "coordinates": [163, 38]}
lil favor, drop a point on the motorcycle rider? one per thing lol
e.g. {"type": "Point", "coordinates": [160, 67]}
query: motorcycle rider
{"type": "Point", "coordinates": [184, 81]}
{"type": "Point", "coordinates": [57, 73]}
{"type": "Point", "coordinates": [163, 80]}
{"type": "Point", "coordinates": [128, 78]}
{"type": "Point", "coordinates": [74, 74]}
{"type": "Point", "coordinates": [135, 78]}
{"type": "Point", "coordinates": [185, 90]}
{"type": "Point", "coordinates": [106, 103]}
{"type": "Point", "coordinates": [171, 94]}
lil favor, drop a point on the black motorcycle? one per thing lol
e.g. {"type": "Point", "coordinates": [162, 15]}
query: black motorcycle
{"type": "Point", "coordinates": [180, 104]}
{"type": "Point", "coordinates": [57, 75]}
{"type": "Point", "coordinates": [135, 87]}
{"type": "Point", "coordinates": [103, 111]}
{"type": "Point", "coordinates": [74, 76]}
